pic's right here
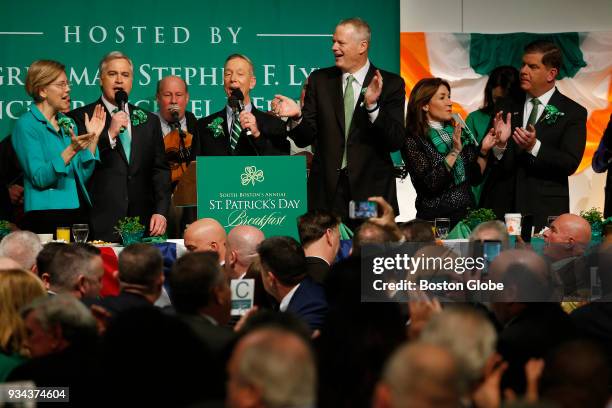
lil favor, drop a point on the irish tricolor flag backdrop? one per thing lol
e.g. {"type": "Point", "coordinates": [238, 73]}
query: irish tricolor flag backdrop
{"type": "Point", "coordinates": [466, 59]}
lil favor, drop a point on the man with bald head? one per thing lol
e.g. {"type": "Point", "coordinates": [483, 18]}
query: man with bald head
{"type": "Point", "coordinates": [419, 375]}
{"type": "Point", "coordinates": [206, 234]}
{"type": "Point", "coordinates": [566, 242]}
{"type": "Point", "coordinates": [271, 367]}
{"type": "Point", "coordinates": [241, 250]}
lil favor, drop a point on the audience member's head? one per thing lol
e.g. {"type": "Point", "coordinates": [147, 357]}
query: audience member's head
{"type": "Point", "coordinates": [419, 375]}
{"type": "Point", "coordinates": [271, 368]}
{"type": "Point", "coordinates": [206, 234]}
{"type": "Point", "coordinates": [370, 233]}
{"type": "Point", "coordinates": [569, 235]}
{"type": "Point", "coordinates": [576, 374]}
{"type": "Point", "coordinates": [271, 319]}
{"type": "Point", "coordinates": [319, 232]}
{"type": "Point", "coordinates": [77, 271]}
{"type": "Point", "coordinates": [491, 231]}
{"type": "Point", "coordinates": [241, 249]}
{"type": "Point", "coordinates": [418, 231]}
{"type": "Point", "coordinates": [23, 247]}
{"type": "Point", "coordinates": [526, 277]}
{"type": "Point", "coordinates": [469, 335]}
{"type": "Point", "coordinates": [44, 258]}
{"type": "Point", "coordinates": [54, 323]}
{"type": "Point", "coordinates": [283, 265]}
{"type": "Point", "coordinates": [8, 263]}
{"type": "Point", "coordinates": [198, 286]}
{"type": "Point", "coordinates": [141, 270]}
{"type": "Point", "coordinates": [18, 288]}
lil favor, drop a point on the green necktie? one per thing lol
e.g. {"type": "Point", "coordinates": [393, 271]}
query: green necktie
{"type": "Point", "coordinates": [349, 108]}
{"type": "Point", "coordinates": [533, 116]}
{"type": "Point", "coordinates": [126, 140]}
{"type": "Point", "coordinates": [236, 131]}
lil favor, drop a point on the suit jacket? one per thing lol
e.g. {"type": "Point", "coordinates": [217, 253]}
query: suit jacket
{"type": "Point", "coordinates": [369, 166]}
{"type": "Point", "coordinates": [272, 141]}
{"type": "Point", "coordinates": [118, 188]}
{"type": "Point", "coordinates": [538, 185]}
{"type": "Point", "coordinates": [601, 163]}
{"type": "Point", "coordinates": [317, 269]}
{"type": "Point", "coordinates": [309, 303]}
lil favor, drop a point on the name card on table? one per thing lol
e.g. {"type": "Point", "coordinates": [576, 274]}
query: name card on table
{"type": "Point", "coordinates": [243, 295]}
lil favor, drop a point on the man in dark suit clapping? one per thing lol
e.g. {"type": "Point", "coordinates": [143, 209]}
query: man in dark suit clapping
{"type": "Point", "coordinates": [530, 170]}
{"type": "Point", "coordinates": [355, 114]}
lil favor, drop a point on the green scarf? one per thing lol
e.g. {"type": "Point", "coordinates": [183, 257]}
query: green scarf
{"type": "Point", "coordinates": [443, 141]}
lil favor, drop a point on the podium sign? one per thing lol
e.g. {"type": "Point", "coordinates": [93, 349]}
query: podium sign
{"type": "Point", "coordinates": [268, 192]}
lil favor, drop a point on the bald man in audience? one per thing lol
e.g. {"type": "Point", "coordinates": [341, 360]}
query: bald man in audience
{"type": "Point", "coordinates": [419, 375]}
{"type": "Point", "coordinates": [271, 368]}
{"type": "Point", "coordinates": [8, 263]}
{"type": "Point", "coordinates": [241, 250]}
{"type": "Point", "coordinates": [566, 242]}
{"type": "Point", "coordinates": [22, 247]}
{"type": "Point", "coordinates": [206, 234]}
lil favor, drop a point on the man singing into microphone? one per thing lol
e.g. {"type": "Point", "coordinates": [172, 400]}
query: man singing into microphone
{"type": "Point", "coordinates": [132, 178]}
{"type": "Point", "coordinates": [239, 129]}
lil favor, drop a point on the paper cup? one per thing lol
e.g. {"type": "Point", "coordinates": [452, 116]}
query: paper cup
{"type": "Point", "coordinates": [44, 238]}
{"type": "Point", "coordinates": [513, 223]}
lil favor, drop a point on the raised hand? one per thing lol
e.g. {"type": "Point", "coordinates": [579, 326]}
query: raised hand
{"type": "Point", "coordinates": [285, 107]}
{"type": "Point", "coordinates": [80, 142]}
{"type": "Point", "coordinates": [488, 142]}
{"type": "Point", "coordinates": [457, 144]}
{"type": "Point", "coordinates": [96, 124]}
{"type": "Point", "coordinates": [374, 89]}
{"type": "Point", "coordinates": [503, 128]}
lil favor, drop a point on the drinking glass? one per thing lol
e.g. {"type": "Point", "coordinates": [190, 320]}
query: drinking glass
{"type": "Point", "coordinates": [63, 234]}
{"type": "Point", "coordinates": [80, 232]}
{"type": "Point", "coordinates": [442, 227]}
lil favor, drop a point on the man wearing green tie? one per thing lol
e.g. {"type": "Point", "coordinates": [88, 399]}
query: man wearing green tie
{"type": "Point", "coordinates": [354, 113]}
{"type": "Point", "coordinates": [133, 177]}
{"type": "Point", "coordinates": [540, 146]}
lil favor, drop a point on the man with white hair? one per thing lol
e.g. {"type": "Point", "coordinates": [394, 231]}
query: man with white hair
{"type": "Point", "coordinates": [271, 368]}
{"type": "Point", "coordinates": [133, 177]}
{"type": "Point", "coordinates": [354, 112]}
{"type": "Point", "coordinates": [453, 329]}
{"type": "Point", "coordinates": [22, 247]}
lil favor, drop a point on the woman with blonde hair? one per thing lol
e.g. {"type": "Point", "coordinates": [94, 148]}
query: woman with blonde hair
{"type": "Point", "coordinates": [56, 163]}
{"type": "Point", "coordinates": [18, 288]}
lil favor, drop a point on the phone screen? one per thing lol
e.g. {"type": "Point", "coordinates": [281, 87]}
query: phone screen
{"type": "Point", "coordinates": [490, 249]}
{"type": "Point", "coordinates": [362, 209]}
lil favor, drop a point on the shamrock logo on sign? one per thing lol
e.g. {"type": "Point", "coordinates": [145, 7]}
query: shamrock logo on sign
{"type": "Point", "coordinates": [251, 175]}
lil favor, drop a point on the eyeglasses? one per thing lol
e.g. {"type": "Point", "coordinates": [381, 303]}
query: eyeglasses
{"type": "Point", "coordinates": [63, 85]}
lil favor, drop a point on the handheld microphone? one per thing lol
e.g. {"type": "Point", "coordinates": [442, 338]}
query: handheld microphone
{"type": "Point", "coordinates": [236, 102]}
{"type": "Point", "coordinates": [121, 98]}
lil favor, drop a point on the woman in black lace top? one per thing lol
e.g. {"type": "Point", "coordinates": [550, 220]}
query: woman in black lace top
{"type": "Point", "coordinates": [443, 159]}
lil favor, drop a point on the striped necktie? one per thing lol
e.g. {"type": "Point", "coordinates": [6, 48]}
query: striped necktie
{"type": "Point", "coordinates": [236, 130]}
